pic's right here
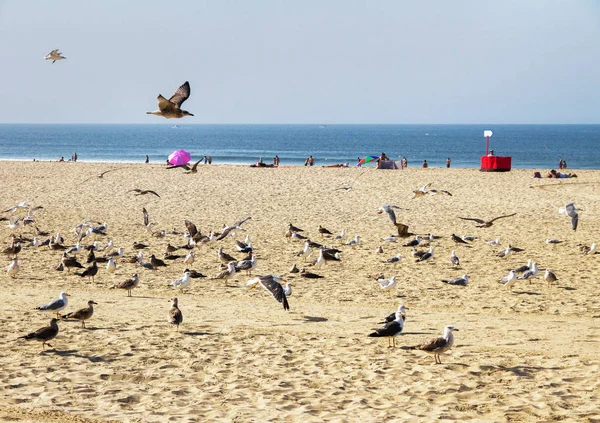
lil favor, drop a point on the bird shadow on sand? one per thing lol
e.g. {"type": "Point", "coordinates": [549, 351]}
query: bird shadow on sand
{"type": "Point", "coordinates": [75, 353]}
{"type": "Point", "coordinates": [522, 371]}
{"type": "Point", "coordinates": [314, 319]}
{"type": "Point", "coordinates": [526, 293]}
{"type": "Point", "coordinates": [567, 288]}
{"type": "Point", "coordinates": [416, 333]}
{"type": "Point", "coordinates": [199, 333]}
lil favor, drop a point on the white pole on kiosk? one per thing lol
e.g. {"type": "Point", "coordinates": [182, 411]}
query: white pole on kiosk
{"type": "Point", "coordinates": [487, 134]}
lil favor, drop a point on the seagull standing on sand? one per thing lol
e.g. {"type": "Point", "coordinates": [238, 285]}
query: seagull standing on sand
{"type": "Point", "coordinates": [129, 284]}
{"type": "Point", "coordinates": [82, 314]}
{"type": "Point", "coordinates": [454, 261]}
{"type": "Point", "coordinates": [427, 255]}
{"type": "Point", "coordinates": [45, 334]}
{"type": "Point", "coordinates": [183, 281]}
{"type": "Point", "coordinates": [437, 346]}
{"type": "Point", "coordinates": [175, 317]}
{"type": "Point", "coordinates": [550, 277]}
{"type": "Point", "coordinates": [54, 55]}
{"type": "Point", "coordinates": [393, 328]}
{"type": "Point", "coordinates": [13, 268]}
{"type": "Point", "coordinates": [509, 280]}
{"type": "Point", "coordinates": [531, 272]}
{"type": "Point", "coordinates": [171, 108]}
{"type": "Point", "coordinates": [56, 305]}
{"type": "Point", "coordinates": [387, 283]}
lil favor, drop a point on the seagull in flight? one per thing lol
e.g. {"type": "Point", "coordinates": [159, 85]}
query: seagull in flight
{"type": "Point", "coordinates": [171, 108]}
{"type": "Point", "coordinates": [349, 187]}
{"type": "Point", "coordinates": [483, 223]}
{"type": "Point", "coordinates": [571, 211]}
{"type": "Point", "coordinates": [143, 192]}
{"type": "Point", "coordinates": [272, 284]}
{"type": "Point", "coordinates": [54, 55]}
{"type": "Point", "coordinates": [101, 175]}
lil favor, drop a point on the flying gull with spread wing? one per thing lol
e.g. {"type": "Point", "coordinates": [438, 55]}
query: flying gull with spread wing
{"type": "Point", "coordinates": [272, 284]}
{"type": "Point", "coordinates": [54, 55]}
{"type": "Point", "coordinates": [485, 223]}
{"type": "Point", "coordinates": [171, 108]}
{"type": "Point", "coordinates": [571, 211]}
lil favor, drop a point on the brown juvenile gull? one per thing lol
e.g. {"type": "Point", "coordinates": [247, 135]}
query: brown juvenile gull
{"type": "Point", "coordinates": [56, 305]}
{"type": "Point", "coordinates": [143, 192]}
{"type": "Point", "coordinates": [69, 262]}
{"type": "Point", "coordinates": [171, 108]}
{"type": "Point", "coordinates": [437, 346]}
{"type": "Point", "coordinates": [272, 284]}
{"type": "Point", "coordinates": [90, 271]}
{"type": "Point", "coordinates": [82, 314]}
{"type": "Point", "coordinates": [483, 223]}
{"type": "Point", "coordinates": [44, 334]}
{"type": "Point", "coordinates": [175, 317]}
{"type": "Point", "coordinates": [54, 55]}
{"type": "Point", "coordinates": [129, 284]}
{"type": "Point", "coordinates": [393, 328]}
{"type": "Point", "coordinates": [194, 168]}
{"type": "Point", "coordinates": [550, 277]}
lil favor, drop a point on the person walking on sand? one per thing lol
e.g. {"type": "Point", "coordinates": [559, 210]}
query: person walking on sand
{"type": "Point", "coordinates": [448, 162]}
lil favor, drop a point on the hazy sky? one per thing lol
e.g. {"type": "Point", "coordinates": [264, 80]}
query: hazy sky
{"type": "Point", "coordinates": [321, 61]}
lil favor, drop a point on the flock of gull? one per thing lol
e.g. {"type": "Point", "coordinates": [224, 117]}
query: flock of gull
{"type": "Point", "coordinates": [230, 266]}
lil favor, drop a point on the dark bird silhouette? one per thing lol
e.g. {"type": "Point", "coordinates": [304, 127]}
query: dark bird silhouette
{"type": "Point", "coordinates": [458, 239]}
{"type": "Point", "coordinates": [483, 223]}
{"type": "Point", "coordinates": [143, 192]}
{"type": "Point", "coordinates": [90, 271]}
{"type": "Point", "coordinates": [45, 334]}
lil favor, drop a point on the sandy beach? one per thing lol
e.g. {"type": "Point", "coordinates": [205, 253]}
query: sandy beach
{"type": "Point", "coordinates": [527, 355]}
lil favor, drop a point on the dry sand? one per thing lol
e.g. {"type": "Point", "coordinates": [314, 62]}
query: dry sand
{"type": "Point", "coordinates": [530, 355]}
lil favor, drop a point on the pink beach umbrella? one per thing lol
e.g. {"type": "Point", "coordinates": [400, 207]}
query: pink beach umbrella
{"type": "Point", "coordinates": [179, 157]}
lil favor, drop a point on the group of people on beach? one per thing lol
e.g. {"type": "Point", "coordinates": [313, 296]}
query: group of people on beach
{"type": "Point", "coordinates": [72, 159]}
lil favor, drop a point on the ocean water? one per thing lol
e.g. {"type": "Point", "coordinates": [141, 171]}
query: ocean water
{"type": "Point", "coordinates": [530, 146]}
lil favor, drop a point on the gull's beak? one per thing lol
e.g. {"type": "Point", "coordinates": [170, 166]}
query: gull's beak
{"type": "Point", "coordinates": [68, 295]}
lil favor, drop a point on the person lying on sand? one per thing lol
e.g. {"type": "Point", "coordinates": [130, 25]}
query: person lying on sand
{"type": "Point", "coordinates": [338, 165]}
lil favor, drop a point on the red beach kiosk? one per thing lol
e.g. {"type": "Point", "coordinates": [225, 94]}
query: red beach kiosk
{"type": "Point", "coordinates": [491, 162]}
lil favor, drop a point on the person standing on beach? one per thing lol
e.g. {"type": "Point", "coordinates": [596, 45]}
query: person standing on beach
{"type": "Point", "coordinates": [311, 161]}
{"type": "Point", "coordinates": [448, 162]}
{"type": "Point", "coordinates": [209, 159]}
{"type": "Point", "coordinates": [425, 165]}
{"type": "Point", "coordinates": [75, 156]}
{"type": "Point", "coordinates": [147, 159]}
{"type": "Point", "coordinates": [404, 162]}
{"type": "Point", "coordinates": [276, 160]}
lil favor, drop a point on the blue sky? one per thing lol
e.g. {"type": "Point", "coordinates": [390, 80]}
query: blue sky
{"type": "Point", "coordinates": [302, 61]}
